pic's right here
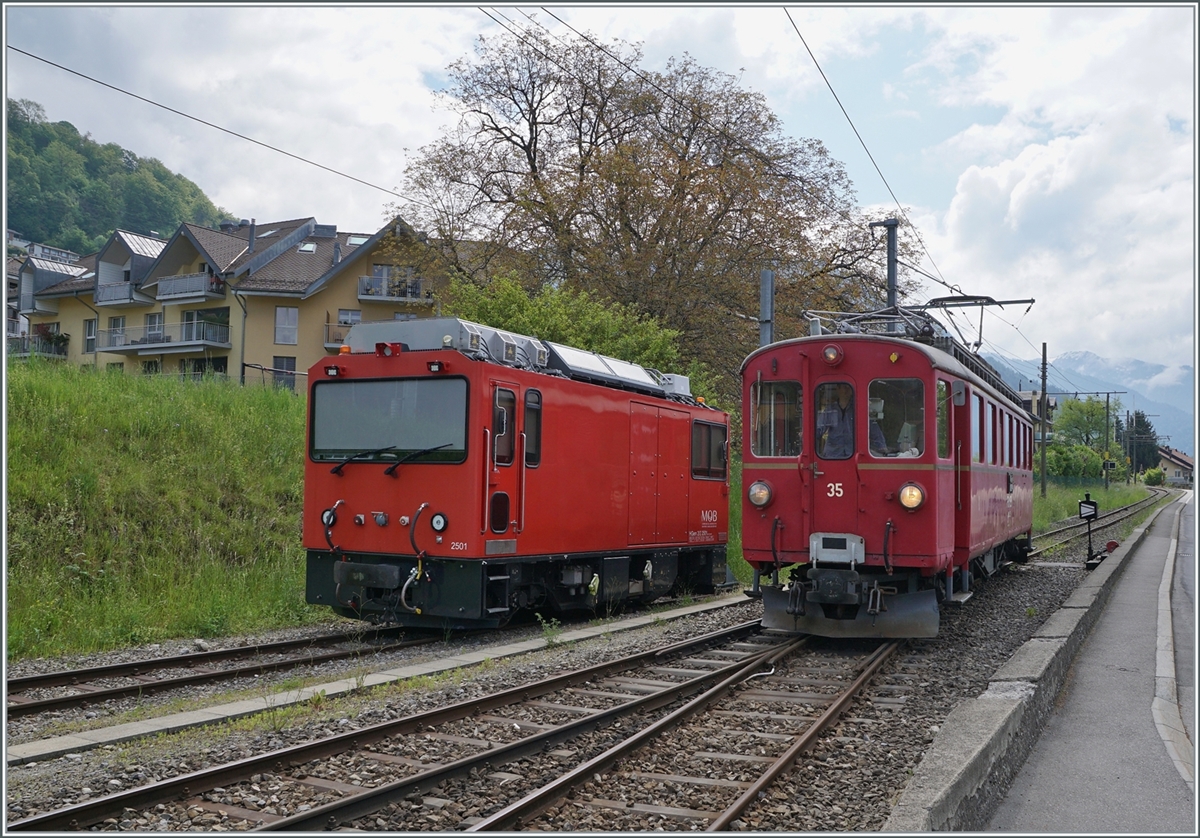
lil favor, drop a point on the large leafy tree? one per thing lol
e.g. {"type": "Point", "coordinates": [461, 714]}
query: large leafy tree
{"type": "Point", "coordinates": [1086, 423]}
{"type": "Point", "coordinates": [667, 190]}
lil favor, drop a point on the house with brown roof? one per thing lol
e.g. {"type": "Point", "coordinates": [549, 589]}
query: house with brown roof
{"type": "Point", "coordinates": [260, 302]}
{"type": "Point", "coordinates": [1177, 466]}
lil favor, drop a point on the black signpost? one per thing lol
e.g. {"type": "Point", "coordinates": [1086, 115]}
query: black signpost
{"type": "Point", "coordinates": [1089, 510]}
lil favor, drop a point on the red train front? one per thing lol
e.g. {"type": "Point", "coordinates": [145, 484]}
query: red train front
{"type": "Point", "coordinates": [457, 474]}
{"type": "Point", "coordinates": [888, 470]}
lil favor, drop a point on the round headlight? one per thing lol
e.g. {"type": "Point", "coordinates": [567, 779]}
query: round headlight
{"type": "Point", "coordinates": [832, 353]}
{"type": "Point", "coordinates": [911, 496]}
{"type": "Point", "coordinates": [759, 493]}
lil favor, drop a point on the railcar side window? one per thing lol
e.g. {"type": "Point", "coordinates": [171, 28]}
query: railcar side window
{"type": "Point", "coordinates": [533, 428]}
{"type": "Point", "coordinates": [777, 418]}
{"type": "Point", "coordinates": [943, 419]}
{"type": "Point", "coordinates": [385, 420]}
{"type": "Point", "coordinates": [977, 428]}
{"type": "Point", "coordinates": [896, 417]}
{"type": "Point", "coordinates": [708, 450]}
{"type": "Point", "coordinates": [504, 415]}
{"type": "Point", "coordinates": [989, 435]}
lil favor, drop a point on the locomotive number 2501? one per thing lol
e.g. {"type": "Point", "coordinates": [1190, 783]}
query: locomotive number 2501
{"type": "Point", "coordinates": [835, 490]}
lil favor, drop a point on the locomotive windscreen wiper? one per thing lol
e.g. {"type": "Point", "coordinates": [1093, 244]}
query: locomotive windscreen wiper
{"type": "Point", "coordinates": [369, 453]}
{"type": "Point", "coordinates": [407, 457]}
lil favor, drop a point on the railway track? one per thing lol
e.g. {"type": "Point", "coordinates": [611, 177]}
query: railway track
{"type": "Point", "coordinates": [89, 686]}
{"type": "Point", "coordinates": [494, 748]}
{"type": "Point", "coordinates": [1078, 529]}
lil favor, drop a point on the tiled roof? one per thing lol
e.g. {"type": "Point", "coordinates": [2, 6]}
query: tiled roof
{"type": "Point", "coordinates": [222, 248]}
{"type": "Point", "coordinates": [265, 236]}
{"type": "Point", "coordinates": [291, 272]}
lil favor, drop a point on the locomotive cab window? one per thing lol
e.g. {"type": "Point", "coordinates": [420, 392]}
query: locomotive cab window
{"type": "Point", "coordinates": [835, 420]}
{"type": "Point", "coordinates": [533, 428]}
{"type": "Point", "coordinates": [896, 417]}
{"type": "Point", "coordinates": [420, 420]}
{"type": "Point", "coordinates": [708, 451]}
{"type": "Point", "coordinates": [776, 418]}
{"type": "Point", "coordinates": [503, 419]}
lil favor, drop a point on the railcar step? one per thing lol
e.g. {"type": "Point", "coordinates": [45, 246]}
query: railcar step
{"type": "Point", "coordinates": [959, 597]}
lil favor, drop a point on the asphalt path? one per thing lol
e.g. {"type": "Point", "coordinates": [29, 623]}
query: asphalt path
{"type": "Point", "coordinates": [1101, 764]}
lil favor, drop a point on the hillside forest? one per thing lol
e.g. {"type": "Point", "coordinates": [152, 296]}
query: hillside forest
{"type": "Point", "coordinates": [67, 190]}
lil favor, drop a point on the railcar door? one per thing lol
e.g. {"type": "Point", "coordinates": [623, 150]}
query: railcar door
{"type": "Point", "coordinates": [503, 513]}
{"type": "Point", "coordinates": [833, 458]}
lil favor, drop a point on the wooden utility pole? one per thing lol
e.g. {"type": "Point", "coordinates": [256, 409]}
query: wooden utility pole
{"type": "Point", "coordinates": [1043, 409]}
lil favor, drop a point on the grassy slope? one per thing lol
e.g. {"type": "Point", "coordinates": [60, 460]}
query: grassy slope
{"type": "Point", "coordinates": [141, 508]}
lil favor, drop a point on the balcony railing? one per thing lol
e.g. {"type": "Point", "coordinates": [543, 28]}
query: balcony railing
{"type": "Point", "coordinates": [119, 293]}
{"type": "Point", "coordinates": [335, 334]}
{"type": "Point", "coordinates": [174, 336]}
{"type": "Point", "coordinates": [189, 286]}
{"type": "Point", "coordinates": [385, 290]}
{"type": "Point", "coordinates": [25, 346]}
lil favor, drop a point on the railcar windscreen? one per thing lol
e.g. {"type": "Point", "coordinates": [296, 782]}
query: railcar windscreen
{"type": "Point", "coordinates": [385, 420]}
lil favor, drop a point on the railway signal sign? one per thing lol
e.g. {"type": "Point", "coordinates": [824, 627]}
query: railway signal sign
{"type": "Point", "coordinates": [1088, 509]}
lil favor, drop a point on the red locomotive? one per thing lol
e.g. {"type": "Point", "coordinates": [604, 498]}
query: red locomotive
{"type": "Point", "coordinates": [457, 474]}
{"type": "Point", "coordinates": [889, 466]}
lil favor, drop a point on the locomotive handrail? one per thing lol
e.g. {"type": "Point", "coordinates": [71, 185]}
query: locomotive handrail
{"type": "Point", "coordinates": [521, 522]}
{"type": "Point", "coordinates": [487, 462]}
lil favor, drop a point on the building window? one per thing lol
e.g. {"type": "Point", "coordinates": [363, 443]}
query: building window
{"type": "Point", "coordinates": [356, 240]}
{"type": "Point", "coordinates": [116, 331]}
{"type": "Point", "coordinates": [403, 315]}
{"type": "Point", "coordinates": [349, 316]}
{"type": "Point", "coordinates": [154, 327]}
{"type": "Point", "coordinates": [89, 335]}
{"type": "Point", "coordinates": [307, 247]}
{"type": "Point", "coordinates": [285, 371]}
{"type": "Point", "coordinates": [287, 324]}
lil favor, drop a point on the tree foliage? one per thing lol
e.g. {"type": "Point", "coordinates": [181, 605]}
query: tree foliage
{"type": "Point", "coordinates": [667, 190]}
{"type": "Point", "coordinates": [573, 318]}
{"type": "Point", "coordinates": [1087, 422]}
{"type": "Point", "coordinates": [66, 190]}
{"type": "Point", "coordinates": [1140, 442]}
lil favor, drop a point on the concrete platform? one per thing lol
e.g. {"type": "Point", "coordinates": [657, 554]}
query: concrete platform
{"type": "Point", "coordinates": [1081, 730]}
{"type": "Point", "coordinates": [51, 748]}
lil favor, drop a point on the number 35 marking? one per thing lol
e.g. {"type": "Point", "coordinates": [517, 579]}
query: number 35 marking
{"type": "Point", "coordinates": [835, 490]}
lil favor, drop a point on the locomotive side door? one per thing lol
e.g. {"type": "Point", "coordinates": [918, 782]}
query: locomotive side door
{"type": "Point", "coordinates": [833, 457]}
{"type": "Point", "coordinates": [502, 514]}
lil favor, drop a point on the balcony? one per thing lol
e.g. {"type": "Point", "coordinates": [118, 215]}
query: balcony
{"type": "Point", "coordinates": [32, 306]}
{"type": "Point", "coordinates": [378, 289]}
{"type": "Point", "coordinates": [172, 338]}
{"type": "Point", "coordinates": [191, 288]}
{"type": "Point", "coordinates": [120, 295]}
{"type": "Point", "coordinates": [335, 334]}
{"type": "Point", "coordinates": [28, 346]}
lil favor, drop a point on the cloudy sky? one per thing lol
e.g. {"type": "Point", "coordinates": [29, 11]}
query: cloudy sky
{"type": "Point", "coordinates": [1042, 152]}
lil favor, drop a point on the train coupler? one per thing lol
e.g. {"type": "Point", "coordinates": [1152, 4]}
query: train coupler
{"type": "Point", "coordinates": [875, 600]}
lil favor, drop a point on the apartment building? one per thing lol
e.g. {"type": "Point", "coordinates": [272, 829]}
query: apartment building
{"type": "Point", "coordinates": [261, 302]}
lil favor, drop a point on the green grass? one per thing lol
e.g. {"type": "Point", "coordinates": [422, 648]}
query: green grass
{"type": "Point", "coordinates": [1062, 502]}
{"type": "Point", "coordinates": [142, 508]}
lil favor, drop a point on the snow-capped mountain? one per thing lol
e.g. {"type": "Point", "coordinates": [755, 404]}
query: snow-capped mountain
{"type": "Point", "coordinates": [1167, 395]}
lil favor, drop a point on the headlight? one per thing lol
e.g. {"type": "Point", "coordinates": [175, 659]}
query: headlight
{"type": "Point", "coordinates": [911, 496]}
{"type": "Point", "coordinates": [759, 493]}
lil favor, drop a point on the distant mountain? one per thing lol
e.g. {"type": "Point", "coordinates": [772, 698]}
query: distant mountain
{"type": "Point", "coordinates": [1167, 395]}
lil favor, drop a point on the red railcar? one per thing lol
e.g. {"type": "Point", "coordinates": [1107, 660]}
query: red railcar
{"type": "Point", "coordinates": [885, 468]}
{"type": "Point", "coordinates": [456, 475]}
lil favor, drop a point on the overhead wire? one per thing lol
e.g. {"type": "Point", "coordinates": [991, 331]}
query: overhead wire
{"type": "Point", "coordinates": [205, 122]}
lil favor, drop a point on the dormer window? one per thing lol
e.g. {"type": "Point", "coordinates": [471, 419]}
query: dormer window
{"type": "Point", "coordinates": [307, 247]}
{"type": "Point", "coordinates": [268, 233]}
{"type": "Point", "coordinates": [355, 241]}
